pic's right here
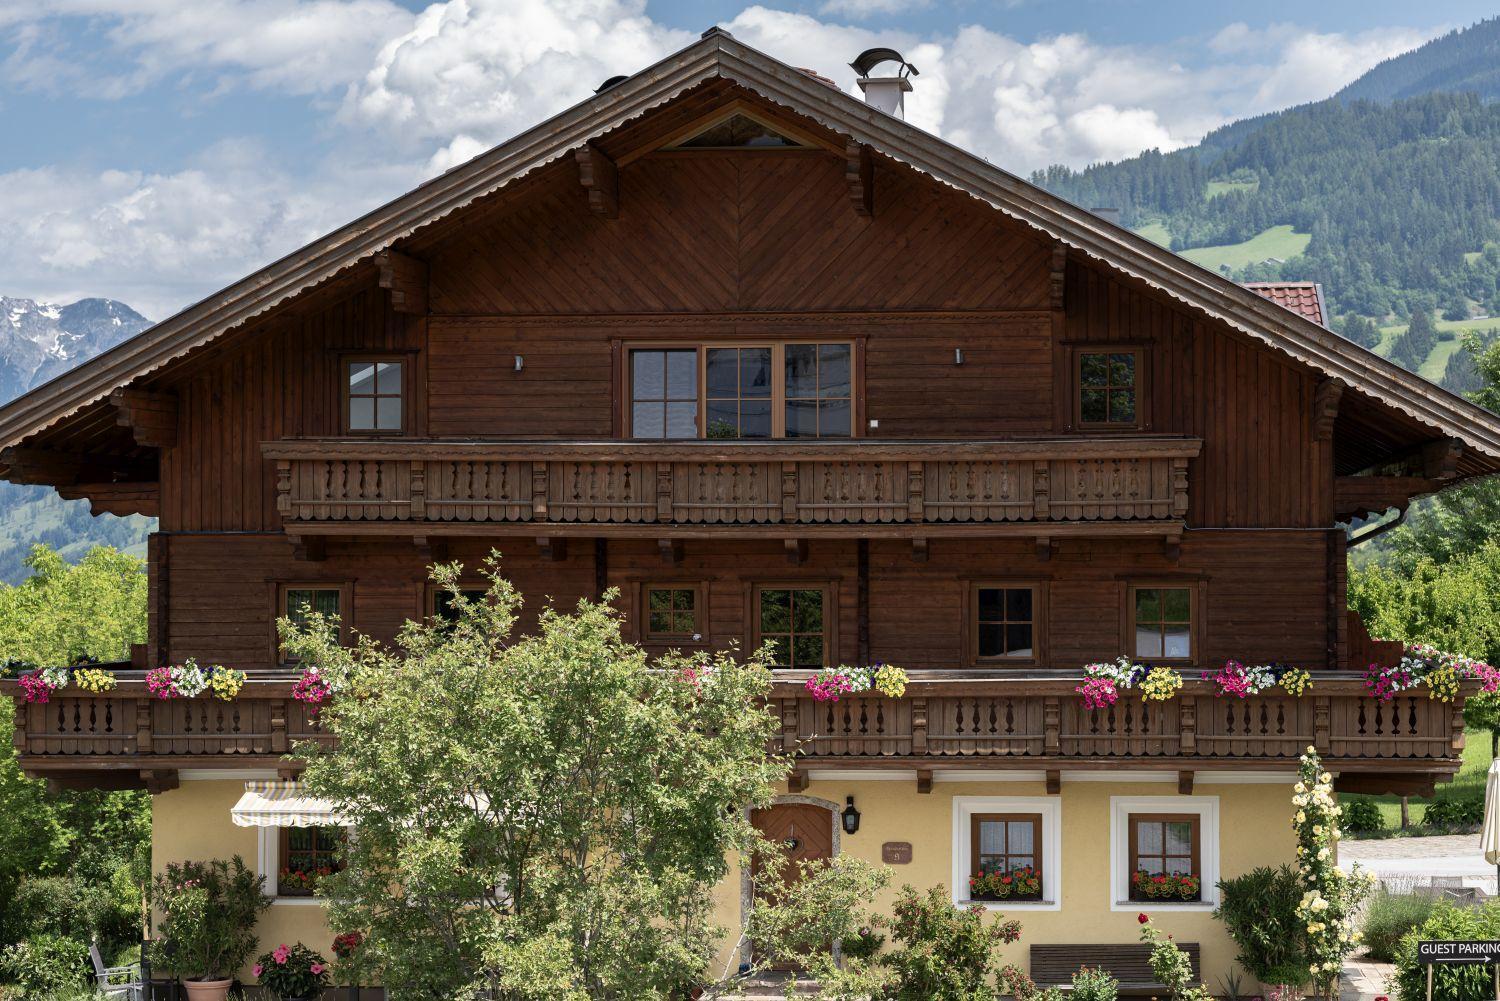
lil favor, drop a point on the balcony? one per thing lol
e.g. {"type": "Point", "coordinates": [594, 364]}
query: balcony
{"type": "Point", "coordinates": [1039, 486]}
{"type": "Point", "coordinates": [126, 738]}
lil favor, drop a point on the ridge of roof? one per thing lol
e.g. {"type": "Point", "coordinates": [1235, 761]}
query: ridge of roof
{"type": "Point", "coordinates": [719, 55]}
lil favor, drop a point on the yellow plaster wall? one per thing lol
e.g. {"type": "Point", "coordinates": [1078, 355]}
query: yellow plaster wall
{"type": "Point", "coordinates": [1254, 829]}
{"type": "Point", "coordinates": [192, 823]}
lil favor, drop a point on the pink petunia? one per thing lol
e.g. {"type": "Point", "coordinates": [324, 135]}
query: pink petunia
{"type": "Point", "coordinates": [281, 954]}
{"type": "Point", "coordinates": [317, 968]}
{"type": "Point", "coordinates": [256, 970]}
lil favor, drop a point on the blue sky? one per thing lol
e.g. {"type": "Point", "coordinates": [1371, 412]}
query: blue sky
{"type": "Point", "coordinates": [158, 149]}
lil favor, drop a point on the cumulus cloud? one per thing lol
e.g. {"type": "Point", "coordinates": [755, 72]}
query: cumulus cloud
{"type": "Point", "coordinates": [870, 8]}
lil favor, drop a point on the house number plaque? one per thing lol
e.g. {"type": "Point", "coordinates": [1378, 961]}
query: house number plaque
{"type": "Point", "coordinates": [896, 852]}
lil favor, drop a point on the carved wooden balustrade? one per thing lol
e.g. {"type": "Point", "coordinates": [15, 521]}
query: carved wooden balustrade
{"type": "Point", "coordinates": [903, 487]}
{"type": "Point", "coordinates": [1011, 723]}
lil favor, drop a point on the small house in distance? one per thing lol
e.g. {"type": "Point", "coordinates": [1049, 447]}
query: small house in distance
{"type": "Point", "coordinates": [783, 369]}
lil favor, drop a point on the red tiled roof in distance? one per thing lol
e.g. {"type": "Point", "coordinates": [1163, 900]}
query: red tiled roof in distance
{"type": "Point", "coordinates": [1300, 297]}
{"type": "Point", "coordinates": [819, 77]}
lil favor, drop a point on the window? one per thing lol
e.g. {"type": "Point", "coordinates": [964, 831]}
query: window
{"type": "Point", "coordinates": [1107, 389]}
{"type": "Point", "coordinates": [298, 602]}
{"type": "Point", "coordinates": [1164, 850]}
{"type": "Point", "coordinates": [1006, 856]}
{"type": "Point", "coordinates": [1005, 622]}
{"type": "Point", "coordinates": [743, 391]}
{"type": "Point", "coordinates": [794, 620]}
{"type": "Point", "coordinates": [307, 854]}
{"type": "Point", "coordinates": [374, 394]}
{"type": "Point", "coordinates": [738, 131]}
{"type": "Point", "coordinates": [672, 611]}
{"type": "Point", "coordinates": [1019, 837]}
{"type": "Point", "coordinates": [664, 394]}
{"type": "Point", "coordinates": [1162, 622]}
{"type": "Point", "coordinates": [445, 609]}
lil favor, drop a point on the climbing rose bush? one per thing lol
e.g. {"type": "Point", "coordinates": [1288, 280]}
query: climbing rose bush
{"type": "Point", "coordinates": [1330, 896]}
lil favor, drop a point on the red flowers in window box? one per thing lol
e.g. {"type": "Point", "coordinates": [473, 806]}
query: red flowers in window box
{"type": "Point", "coordinates": [1024, 883]}
{"type": "Point", "coordinates": [1165, 886]}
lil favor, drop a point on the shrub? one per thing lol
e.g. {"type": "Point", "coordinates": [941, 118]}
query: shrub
{"type": "Point", "coordinates": [1467, 811]}
{"type": "Point", "coordinates": [946, 953]}
{"type": "Point", "coordinates": [1023, 988]}
{"type": "Point", "coordinates": [45, 966]}
{"type": "Point", "coordinates": [209, 911]}
{"type": "Point", "coordinates": [1362, 815]}
{"type": "Point", "coordinates": [864, 945]}
{"type": "Point", "coordinates": [1451, 983]}
{"type": "Point", "coordinates": [292, 972]}
{"type": "Point", "coordinates": [70, 907]}
{"type": "Point", "coordinates": [1389, 917]}
{"type": "Point", "coordinates": [1094, 985]}
{"type": "Point", "coordinates": [1171, 967]}
{"type": "Point", "coordinates": [1259, 910]}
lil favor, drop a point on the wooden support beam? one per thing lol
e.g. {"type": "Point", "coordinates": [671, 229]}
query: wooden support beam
{"type": "Point", "coordinates": [40, 465]}
{"type": "Point", "coordinates": [309, 548]}
{"type": "Point", "coordinates": [1171, 547]}
{"type": "Point", "coordinates": [1363, 496]}
{"type": "Point", "coordinates": [797, 781]}
{"type": "Point", "coordinates": [671, 551]}
{"type": "Point", "coordinates": [919, 550]}
{"type": "Point", "coordinates": [1044, 546]}
{"type": "Point", "coordinates": [151, 417]}
{"type": "Point", "coordinates": [1185, 783]}
{"type": "Point", "coordinates": [1440, 459]}
{"type": "Point", "coordinates": [406, 279]}
{"type": "Point", "coordinates": [924, 780]}
{"type": "Point", "coordinates": [554, 548]}
{"type": "Point", "coordinates": [796, 551]}
{"type": "Point", "coordinates": [431, 549]}
{"type": "Point", "coordinates": [1326, 408]}
{"type": "Point", "coordinates": [116, 498]}
{"type": "Point", "coordinates": [159, 780]}
{"type": "Point", "coordinates": [859, 172]}
{"type": "Point", "coordinates": [1058, 278]}
{"type": "Point", "coordinates": [1054, 781]}
{"type": "Point", "coordinates": [597, 174]}
{"type": "Point", "coordinates": [1384, 784]}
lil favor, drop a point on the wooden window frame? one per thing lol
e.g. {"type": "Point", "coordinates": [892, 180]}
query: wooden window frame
{"type": "Point", "coordinates": [278, 609]}
{"type": "Point", "coordinates": [1195, 820]}
{"type": "Point", "coordinates": [1196, 589]}
{"type": "Point", "coordinates": [830, 611]}
{"type": "Point", "coordinates": [643, 632]}
{"type": "Point", "coordinates": [1074, 381]}
{"type": "Point", "coordinates": [408, 396]}
{"type": "Point", "coordinates": [778, 396]}
{"type": "Point", "coordinates": [283, 858]}
{"type": "Point", "coordinates": [1038, 859]}
{"type": "Point", "coordinates": [430, 593]}
{"type": "Point", "coordinates": [1038, 622]}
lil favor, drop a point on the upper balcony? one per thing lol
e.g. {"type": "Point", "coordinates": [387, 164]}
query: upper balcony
{"type": "Point", "coordinates": [1107, 485]}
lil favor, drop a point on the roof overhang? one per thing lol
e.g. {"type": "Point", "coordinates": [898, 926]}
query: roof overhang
{"type": "Point", "coordinates": [717, 55]}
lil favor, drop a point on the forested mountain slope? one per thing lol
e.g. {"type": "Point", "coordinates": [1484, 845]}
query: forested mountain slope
{"type": "Point", "coordinates": [1460, 61]}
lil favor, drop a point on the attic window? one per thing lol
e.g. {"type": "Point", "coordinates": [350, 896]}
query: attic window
{"type": "Point", "coordinates": [738, 131]}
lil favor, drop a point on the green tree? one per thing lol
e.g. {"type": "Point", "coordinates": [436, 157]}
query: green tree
{"type": "Point", "coordinates": [554, 809]}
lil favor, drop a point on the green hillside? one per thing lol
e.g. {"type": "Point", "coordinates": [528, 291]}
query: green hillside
{"type": "Point", "coordinates": [1277, 242]}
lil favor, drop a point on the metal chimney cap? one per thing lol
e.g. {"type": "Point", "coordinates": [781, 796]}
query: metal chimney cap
{"type": "Point", "coordinates": [870, 58]}
{"type": "Point", "coordinates": [613, 81]}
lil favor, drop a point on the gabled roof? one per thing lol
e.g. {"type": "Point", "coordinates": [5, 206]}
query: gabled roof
{"type": "Point", "coordinates": [1303, 298]}
{"type": "Point", "coordinates": [718, 55]}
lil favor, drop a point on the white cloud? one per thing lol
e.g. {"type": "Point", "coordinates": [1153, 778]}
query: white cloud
{"type": "Point", "coordinates": [870, 8]}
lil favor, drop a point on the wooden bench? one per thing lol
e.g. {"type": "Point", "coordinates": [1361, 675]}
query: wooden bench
{"type": "Point", "coordinates": [1054, 965]}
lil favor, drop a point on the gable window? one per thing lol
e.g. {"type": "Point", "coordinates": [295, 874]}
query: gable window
{"type": "Point", "coordinates": [738, 131]}
{"type": "Point", "coordinates": [1108, 384]}
{"type": "Point", "coordinates": [1005, 622]}
{"type": "Point", "coordinates": [1163, 849]}
{"type": "Point", "coordinates": [743, 391]}
{"type": "Point", "coordinates": [794, 619]}
{"type": "Point", "coordinates": [672, 611]}
{"type": "Point", "coordinates": [307, 854]}
{"type": "Point", "coordinates": [1161, 621]}
{"type": "Point", "coordinates": [1005, 856]}
{"type": "Point", "coordinates": [374, 395]}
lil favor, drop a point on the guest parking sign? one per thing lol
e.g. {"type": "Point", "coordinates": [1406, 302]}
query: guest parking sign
{"type": "Point", "coordinates": [1466, 953]}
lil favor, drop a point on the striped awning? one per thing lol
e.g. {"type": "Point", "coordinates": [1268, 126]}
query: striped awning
{"type": "Point", "coordinates": [282, 804]}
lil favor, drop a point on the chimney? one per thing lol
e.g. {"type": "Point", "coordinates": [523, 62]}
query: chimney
{"type": "Point", "coordinates": [1108, 214]}
{"type": "Point", "coordinates": [886, 92]}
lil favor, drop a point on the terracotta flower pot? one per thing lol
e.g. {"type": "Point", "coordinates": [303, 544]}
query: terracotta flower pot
{"type": "Point", "coordinates": [207, 990]}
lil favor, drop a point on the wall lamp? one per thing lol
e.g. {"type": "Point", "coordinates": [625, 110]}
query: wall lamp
{"type": "Point", "coordinates": [958, 356]}
{"type": "Point", "coordinates": [520, 363]}
{"type": "Point", "coordinates": [850, 817]}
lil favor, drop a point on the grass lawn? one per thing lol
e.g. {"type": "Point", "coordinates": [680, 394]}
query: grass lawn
{"type": "Point", "coordinates": [1487, 323]}
{"type": "Point", "coordinates": [1437, 362]}
{"type": "Point", "coordinates": [1278, 241]}
{"type": "Point", "coordinates": [1468, 783]}
{"type": "Point", "coordinates": [1156, 233]}
{"type": "Point", "coordinates": [1224, 187]}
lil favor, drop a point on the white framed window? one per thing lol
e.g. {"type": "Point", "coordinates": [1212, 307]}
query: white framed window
{"type": "Point", "coordinates": [1197, 818]}
{"type": "Point", "coordinates": [1023, 830]}
{"type": "Point", "coordinates": [270, 862]}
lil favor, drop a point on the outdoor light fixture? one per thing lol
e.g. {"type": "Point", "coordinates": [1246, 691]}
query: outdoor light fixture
{"type": "Point", "coordinates": [850, 816]}
{"type": "Point", "coordinates": [519, 362]}
{"type": "Point", "coordinates": [958, 356]}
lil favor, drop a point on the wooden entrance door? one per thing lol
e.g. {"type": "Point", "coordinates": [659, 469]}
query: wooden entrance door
{"type": "Point", "coordinates": [804, 831]}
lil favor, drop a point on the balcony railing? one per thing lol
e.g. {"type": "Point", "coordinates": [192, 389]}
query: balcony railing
{"type": "Point", "coordinates": [938, 725]}
{"type": "Point", "coordinates": [938, 485]}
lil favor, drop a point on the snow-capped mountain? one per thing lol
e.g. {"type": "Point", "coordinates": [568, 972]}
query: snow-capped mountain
{"type": "Point", "coordinates": [41, 340]}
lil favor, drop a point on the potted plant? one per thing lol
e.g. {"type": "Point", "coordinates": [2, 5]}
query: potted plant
{"type": "Point", "coordinates": [1165, 886]}
{"type": "Point", "coordinates": [1024, 883]}
{"type": "Point", "coordinates": [209, 911]}
{"type": "Point", "coordinates": [292, 973]}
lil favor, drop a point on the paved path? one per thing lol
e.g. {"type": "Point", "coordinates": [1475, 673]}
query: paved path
{"type": "Point", "coordinates": [1397, 861]}
{"type": "Point", "coordinates": [1364, 979]}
